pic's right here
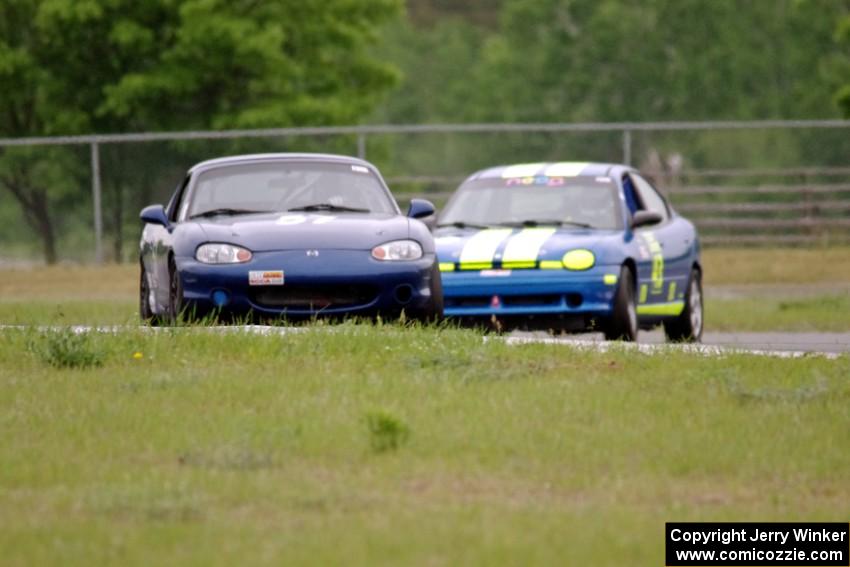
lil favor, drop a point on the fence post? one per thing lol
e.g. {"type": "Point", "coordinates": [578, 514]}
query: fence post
{"type": "Point", "coordinates": [361, 146]}
{"type": "Point", "coordinates": [98, 209]}
{"type": "Point", "coordinates": [627, 147]}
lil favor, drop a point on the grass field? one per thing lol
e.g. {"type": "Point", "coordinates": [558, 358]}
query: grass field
{"type": "Point", "coordinates": [107, 295]}
{"type": "Point", "coordinates": [382, 445]}
{"type": "Point", "coordinates": [724, 266]}
{"type": "Point", "coordinates": [364, 445]}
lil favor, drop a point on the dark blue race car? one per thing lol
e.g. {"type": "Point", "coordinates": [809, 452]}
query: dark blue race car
{"type": "Point", "coordinates": [569, 247]}
{"type": "Point", "coordinates": [287, 235]}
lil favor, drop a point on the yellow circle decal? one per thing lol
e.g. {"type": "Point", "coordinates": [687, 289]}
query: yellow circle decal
{"type": "Point", "coordinates": [579, 260]}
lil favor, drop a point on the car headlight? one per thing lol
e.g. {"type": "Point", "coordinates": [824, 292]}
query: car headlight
{"type": "Point", "coordinates": [579, 260]}
{"type": "Point", "coordinates": [398, 250]}
{"type": "Point", "coordinates": [222, 254]}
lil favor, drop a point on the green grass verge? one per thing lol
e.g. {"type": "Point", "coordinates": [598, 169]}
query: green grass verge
{"type": "Point", "coordinates": [723, 266]}
{"type": "Point", "coordinates": [827, 313]}
{"type": "Point", "coordinates": [382, 446]}
{"type": "Point", "coordinates": [69, 312]}
{"type": "Point", "coordinates": [820, 313]}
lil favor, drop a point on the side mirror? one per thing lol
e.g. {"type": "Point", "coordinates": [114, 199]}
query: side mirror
{"type": "Point", "coordinates": [644, 218]}
{"type": "Point", "coordinates": [155, 214]}
{"type": "Point", "coordinates": [420, 208]}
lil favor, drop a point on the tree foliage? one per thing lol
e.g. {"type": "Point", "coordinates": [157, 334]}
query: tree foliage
{"type": "Point", "coordinates": [641, 60]}
{"type": "Point", "coordinates": [841, 64]}
{"type": "Point", "coordinates": [629, 61]}
{"type": "Point", "coordinates": [81, 66]}
{"type": "Point", "coordinates": [433, 12]}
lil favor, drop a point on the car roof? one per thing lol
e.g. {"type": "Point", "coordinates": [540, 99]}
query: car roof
{"type": "Point", "coordinates": [260, 158]}
{"type": "Point", "coordinates": [552, 169]}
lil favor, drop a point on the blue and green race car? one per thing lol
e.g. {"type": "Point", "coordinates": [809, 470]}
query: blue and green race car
{"type": "Point", "coordinates": [569, 247]}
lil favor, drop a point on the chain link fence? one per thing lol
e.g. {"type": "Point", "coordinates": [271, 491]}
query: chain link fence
{"type": "Point", "coordinates": [743, 183]}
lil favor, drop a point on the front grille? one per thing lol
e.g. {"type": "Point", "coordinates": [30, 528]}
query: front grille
{"type": "Point", "coordinates": [530, 300]}
{"type": "Point", "coordinates": [467, 301]}
{"type": "Point", "coordinates": [314, 297]}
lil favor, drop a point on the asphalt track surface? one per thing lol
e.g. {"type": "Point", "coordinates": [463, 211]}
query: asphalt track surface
{"type": "Point", "coordinates": [769, 344]}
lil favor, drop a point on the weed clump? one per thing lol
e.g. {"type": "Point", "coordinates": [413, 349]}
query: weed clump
{"type": "Point", "coordinates": [386, 431]}
{"type": "Point", "coordinates": [66, 349]}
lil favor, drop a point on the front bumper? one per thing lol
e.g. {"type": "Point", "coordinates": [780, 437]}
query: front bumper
{"type": "Point", "coordinates": [334, 282]}
{"type": "Point", "coordinates": [530, 292]}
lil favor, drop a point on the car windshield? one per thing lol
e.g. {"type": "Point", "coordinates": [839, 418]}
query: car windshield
{"type": "Point", "coordinates": [581, 202]}
{"type": "Point", "coordinates": [287, 186]}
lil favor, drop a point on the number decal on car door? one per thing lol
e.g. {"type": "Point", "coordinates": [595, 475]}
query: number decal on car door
{"type": "Point", "coordinates": [657, 255]}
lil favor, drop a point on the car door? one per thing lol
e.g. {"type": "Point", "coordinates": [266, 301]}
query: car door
{"type": "Point", "coordinates": [664, 262]}
{"type": "Point", "coordinates": [161, 238]}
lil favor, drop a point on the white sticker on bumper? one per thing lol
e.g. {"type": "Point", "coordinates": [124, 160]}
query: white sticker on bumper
{"type": "Point", "coordinates": [268, 277]}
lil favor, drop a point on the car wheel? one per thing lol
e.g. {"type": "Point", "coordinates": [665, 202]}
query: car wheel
{"type": "Point", "coordinates": [175, 297]}
{"type": "Point", "coordinates": [434, 311]}
{"type": "Point", "coordinates": [623, 323]}
{"type": "Point", "coordinates": [145, 312]}
{"type": "Point", "coordinates": [437, 301]}
{"type": "Point", "coordinates": [687, 327]}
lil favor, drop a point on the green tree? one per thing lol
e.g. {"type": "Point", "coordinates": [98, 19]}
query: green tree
{"type": "Point", "coordinates": [841, 64]}
{"type": "Point", "coordinates": [477, 12]}
{"type": "Point", "coordinates": [441, 66]}
{"type": "Point", "coordinates": [624, 60]}
{"type": "Point", "coordinates": [609, 60]}
{"type": "Point", "coordinates": [82, 66]}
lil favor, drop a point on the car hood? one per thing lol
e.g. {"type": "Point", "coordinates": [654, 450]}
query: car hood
{"type": "Point", "coordinates": [298, 231]}
{"type": "Point", "coordinates": [521, 247]}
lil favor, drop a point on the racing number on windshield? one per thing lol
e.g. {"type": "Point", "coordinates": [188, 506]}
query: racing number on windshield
{"type": "Point", "coordinates": [291, 220]}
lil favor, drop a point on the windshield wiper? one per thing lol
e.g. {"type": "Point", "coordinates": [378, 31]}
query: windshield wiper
{"type": "Point", "coordinates": [547, 222]}
{"type": "Point", "coordinates": [462, 224]}
{"type": "Point", "coordinates": [329, 207]}
{"type": "Point", "coordinates": [226, 211]}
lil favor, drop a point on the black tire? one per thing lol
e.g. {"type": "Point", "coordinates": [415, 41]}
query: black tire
{"type": "Point", "coordinates": [434, 312]}
{"type": "Point", "coordinates": [622, 325]}
{"type": "Point", "coordinates": [145, 312]}
{"type": "Point", "coordinates": [688, 326]}
{"type": "Point", "coordinates": [176, 306]}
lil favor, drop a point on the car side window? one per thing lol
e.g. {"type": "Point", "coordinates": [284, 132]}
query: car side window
{"type": "Point", "coordinates": [177, 200]}
{"type": "Point", "coordinates": [631, 198]}
{"type": "Point", "coordinates": [650, 198]}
